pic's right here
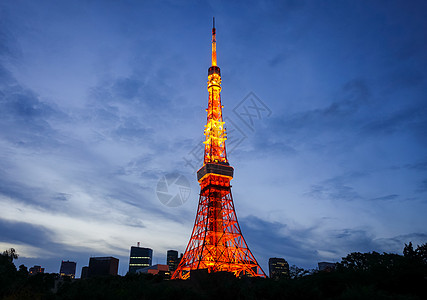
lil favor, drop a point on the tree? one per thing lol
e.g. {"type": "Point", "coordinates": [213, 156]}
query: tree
{"type": "Point", "coordinates": [372, 261]}
{"type": "Point", "coordinates": [23, 270]}
{"type": "Point", "coordinates": [408, 251]}
{"type": "Point", "coordinates": [7, 271]}
{"type": "Point", "coordinates": [421, 253]}
{"type": "Point", "coordinates": [354, 261]}
{"type": "Point", "coordinates": [296, 272]}
{"type": "Point", "coordinates": [11, 254]}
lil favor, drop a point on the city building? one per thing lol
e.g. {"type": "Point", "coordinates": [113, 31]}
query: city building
{"type": "Point", "coordinates": [278, 268]}
{"type": "Point", "coordinates": [85, 272]}
{"type": "Point", "coordinates": [156, 270]}
{"type": "Point", "coordinates": [173, 260]}
{"type": "Point", "coordinates": [326, 266]}
{"type": "Point", "coordinates": [35, 270]}
{"type": "Point", "coordinates": [139, 258]}
{"type": "Point", "coordinates": [68, 268]}
{"type": "Point", "coordinates": [99, 266]}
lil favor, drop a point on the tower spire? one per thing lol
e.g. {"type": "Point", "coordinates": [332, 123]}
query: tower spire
{"type": "Point", "coordinates": [214, 129]}
{"type": "Point", "coordinates": [213, 43]}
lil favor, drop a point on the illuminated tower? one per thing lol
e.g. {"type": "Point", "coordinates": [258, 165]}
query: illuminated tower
{"type": "Point", "coordinates": [216, 243]}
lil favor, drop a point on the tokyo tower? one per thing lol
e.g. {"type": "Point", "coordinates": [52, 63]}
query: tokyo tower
{"type": "Point", "coordinates": [216, 243]}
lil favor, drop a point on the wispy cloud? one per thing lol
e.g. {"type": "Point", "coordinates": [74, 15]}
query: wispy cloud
{"type": "Point", "coordinates": [337, 188]}
{"type": "Point", "coordinates": [410, 119]}
{"type": "Point", "coordinates": [419, 166]}
{"type": "Point", "coordinates": [422, 187]}
{"type": "Point", "coordinates": [386, 198]}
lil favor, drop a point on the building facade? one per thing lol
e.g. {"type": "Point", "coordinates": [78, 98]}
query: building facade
{"type": "Point", "coordinates": [172, 260]}
{"type": "Point", "coordinates": [326, 266]}
{"type": "Point", "coordinates": [35, 270]}
{"type": "Point", "coordinates": [85, 272]}
{"type": "Point", "coordinates": [101, 266]}
{"type": "Point", "coordinates": [68, 268]}
{"type": "Point", "coordinates": [139, 258]}
{"type": "Point", "coordinates": [278, 268]}
{"type": "Point", "coordinates": [156, 270]}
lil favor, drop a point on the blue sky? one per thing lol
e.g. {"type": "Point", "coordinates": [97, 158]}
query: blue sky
{"type": "Point", "coordinates": [101, 99]}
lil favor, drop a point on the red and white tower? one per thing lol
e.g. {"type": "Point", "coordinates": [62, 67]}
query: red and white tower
{"type": "Point", "coordinates": [216, 243]}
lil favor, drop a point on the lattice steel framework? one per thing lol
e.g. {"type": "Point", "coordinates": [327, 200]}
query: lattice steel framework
{"type": "Point", "coordinates": [216, 243]}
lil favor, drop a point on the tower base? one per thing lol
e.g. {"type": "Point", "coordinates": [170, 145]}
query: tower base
{"type": "Point", "coordinates": [217, 243]}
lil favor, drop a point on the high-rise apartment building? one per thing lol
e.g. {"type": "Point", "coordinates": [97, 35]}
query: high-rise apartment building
{"type": "Point", "coordinates": [278, 267]}
{"type": "Point", "coordinates": [85, 272]}
{"type": "Point", "coordinates": [68, 268]}
{"type": "Point", "coordinates": [139, 258]}
{"type": "Point", "coordinates": [99, 266]}
{"type": "Point", "coordinates": [172, 260]}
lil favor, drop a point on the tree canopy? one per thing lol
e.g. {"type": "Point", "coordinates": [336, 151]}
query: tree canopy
{"type": "Point", "coordinates": [369, 275]}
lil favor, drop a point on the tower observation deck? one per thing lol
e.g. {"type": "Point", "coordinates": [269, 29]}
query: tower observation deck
{"type": "Point", "coordinates": [216, 242]}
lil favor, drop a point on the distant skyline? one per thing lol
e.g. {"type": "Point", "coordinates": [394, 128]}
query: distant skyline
{"type": "Point", "coordinates": [99, 100]}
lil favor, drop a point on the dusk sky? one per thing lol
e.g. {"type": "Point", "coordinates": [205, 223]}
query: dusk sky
{"type": "Point", "coordinates": [99, 100]}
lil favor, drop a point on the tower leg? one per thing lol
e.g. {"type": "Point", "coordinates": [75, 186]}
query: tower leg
{"type": "Point", "coordinates": [217, 243]}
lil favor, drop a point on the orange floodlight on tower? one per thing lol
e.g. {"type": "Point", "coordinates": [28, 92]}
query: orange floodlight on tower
{"type": "Point", "coordinates": [216, 243]}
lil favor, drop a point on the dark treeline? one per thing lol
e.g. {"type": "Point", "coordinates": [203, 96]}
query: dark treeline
{"type": "Point", "coordinates": [357, 276]}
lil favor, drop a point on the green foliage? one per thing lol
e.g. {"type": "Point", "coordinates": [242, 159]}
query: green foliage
{"type": "Point", "coordinates": [421, 253]}
{"type": "Point", "coordinates": [374, 261]}
{"type": "Point", "coordinates": [10, 254]}
{"type": "Point", "coordinates": [408, 251]}
{"type": "Point", "coordinates": [23, 271]}
{"type": "Point", "coordinates": [296, 272]}
{"type": "Point", "coordinates": [391, 274]}
{"type": "Point", "coordinates": [358, 276]}
{"type": "Point", "coordinates": [7, 274]}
